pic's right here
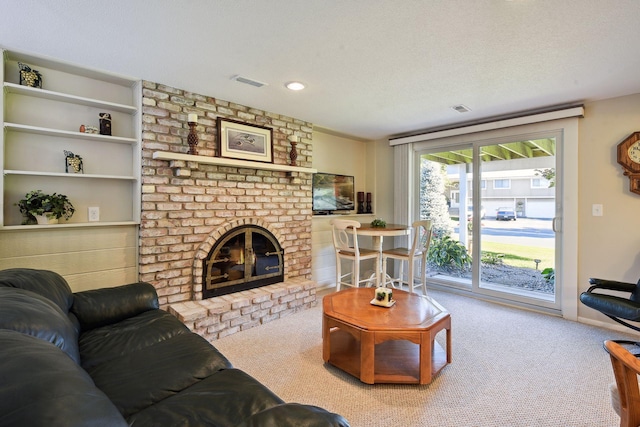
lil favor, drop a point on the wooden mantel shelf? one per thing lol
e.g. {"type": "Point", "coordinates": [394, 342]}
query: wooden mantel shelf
{"type": "Point", "coordinates": [221, 161]}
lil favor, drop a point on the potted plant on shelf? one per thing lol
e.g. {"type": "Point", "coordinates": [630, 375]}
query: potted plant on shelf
{"type": "Point", "coordinates": [38, 207]}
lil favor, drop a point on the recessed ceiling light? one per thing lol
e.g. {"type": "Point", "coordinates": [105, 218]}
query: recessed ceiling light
{"type": "Point", "coordinates": [295, 86]}
{"type": "Point", "coordinates": [461, 108]}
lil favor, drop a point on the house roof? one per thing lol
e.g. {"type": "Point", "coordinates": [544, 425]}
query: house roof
{"type": "Point", "coordinates": [373, 68]}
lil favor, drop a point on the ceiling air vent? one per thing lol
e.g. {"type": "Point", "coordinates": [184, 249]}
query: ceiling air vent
{"type": "Point", "coordinates": [248, 81]}
{"type": "Point", "coordinates": [461, 108]}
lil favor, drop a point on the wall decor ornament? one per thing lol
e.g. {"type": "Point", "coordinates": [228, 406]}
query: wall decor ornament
{"type": "Point", "coordinates": [74, 161]}
{"type": "Point", "coordinates": [238, 140]}
{"type": "Point", "coordinates": [29, 77]}
{"type": "Point", "coordinates": [105, 123]}
{"type": "Point", "coordinates": [629, 159]}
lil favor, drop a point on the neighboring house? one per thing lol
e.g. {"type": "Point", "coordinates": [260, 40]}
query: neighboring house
{"type": "Point", "coordinates": [523, 188]}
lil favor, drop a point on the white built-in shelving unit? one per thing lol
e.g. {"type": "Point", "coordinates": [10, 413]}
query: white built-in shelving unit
{"type": "Point", "coordinates": [39, 124]}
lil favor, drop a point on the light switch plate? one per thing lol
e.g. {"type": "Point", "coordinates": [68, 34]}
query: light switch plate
{"type": "Point", "coordinates": [94, 213]}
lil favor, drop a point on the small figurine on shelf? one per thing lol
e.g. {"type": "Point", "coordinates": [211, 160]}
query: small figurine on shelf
{"type": "Point", "coordinates": [29, 77]}
{"type": "Point", "coordinates": [73, 160]}
{"type": "Point", "coordinates": [105, 123]}
{"type": "Point", "coordinates": [90, 129]}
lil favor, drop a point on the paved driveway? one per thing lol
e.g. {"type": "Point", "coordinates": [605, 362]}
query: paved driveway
{"type": "Point", "coordinates": [524, 231]}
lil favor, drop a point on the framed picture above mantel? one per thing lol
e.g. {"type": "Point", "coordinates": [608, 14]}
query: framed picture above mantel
{"type": "Point", "coordinates": [237, 140]}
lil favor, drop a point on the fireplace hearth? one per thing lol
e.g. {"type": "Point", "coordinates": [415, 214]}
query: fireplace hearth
{"type": "Point", "coordinates": [245, 257]}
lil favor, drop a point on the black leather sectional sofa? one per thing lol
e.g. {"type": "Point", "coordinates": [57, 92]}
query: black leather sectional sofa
{"type": "Point", "coordinates": [110, 357]}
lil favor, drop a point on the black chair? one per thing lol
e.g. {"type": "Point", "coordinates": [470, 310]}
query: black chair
{"type": "Point", "coordinates": [622, 310]}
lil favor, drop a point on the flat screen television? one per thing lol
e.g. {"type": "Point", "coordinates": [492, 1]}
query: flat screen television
{"type": "Point", "coordinates": [332, 193]}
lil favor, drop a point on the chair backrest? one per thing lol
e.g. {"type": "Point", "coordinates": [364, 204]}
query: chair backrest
{"type": "Point", "coordinates": [635, 295]}
{"type": "Point", "coordinates": [421, 236]}
{"type": "Point", "coordinates": [626, 368]}
{"type": "Point", "coordinates": [344, 234]}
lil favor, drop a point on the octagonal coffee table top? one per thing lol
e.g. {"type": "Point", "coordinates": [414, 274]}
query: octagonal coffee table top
{"type": "Point", "coordinates": [410, 312]}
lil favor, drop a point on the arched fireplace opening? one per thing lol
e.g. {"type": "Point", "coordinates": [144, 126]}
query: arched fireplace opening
{"type": "Point", "coordinates": [245, 257]}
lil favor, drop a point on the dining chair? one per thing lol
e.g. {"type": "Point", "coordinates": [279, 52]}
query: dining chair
{"type": "Point", "coordinates": [417, 251]}
{"type": "Point", "coordinates": [345, 242]}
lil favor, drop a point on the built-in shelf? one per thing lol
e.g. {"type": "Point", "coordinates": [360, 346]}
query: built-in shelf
{"type": "Point", "coordinates": [38, 124]}
{"type": "Point", "coordinates": [16, 127]}
{"type": "Point", "coordinates": [69, 225]}
{"type": "Point", "coordinates": [63, 97]}
{"type": "Point", "coordinates": [221, 161]}
{"type": "Point", "coordinates": [68, 175]}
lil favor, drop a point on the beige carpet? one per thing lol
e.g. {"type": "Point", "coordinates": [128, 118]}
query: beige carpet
{"type": "Point", "coordinates": [510, 368]}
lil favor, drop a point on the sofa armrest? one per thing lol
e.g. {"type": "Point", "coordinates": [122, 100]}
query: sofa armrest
{"type": "Point", "coordinates": [105, 306]}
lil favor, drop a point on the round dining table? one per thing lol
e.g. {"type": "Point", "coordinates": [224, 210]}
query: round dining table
{"type": "Point", "coordinates": [377, 234]}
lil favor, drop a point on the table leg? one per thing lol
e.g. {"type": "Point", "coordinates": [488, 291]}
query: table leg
{"type": "Point", "coordinates": [367, 358]}
{"type": "Point", "coordinates": [426, 348]}
{"type": "Point", "coordinates": [377, 245]}
{"type": "Point", "coordinates": [326, 339]}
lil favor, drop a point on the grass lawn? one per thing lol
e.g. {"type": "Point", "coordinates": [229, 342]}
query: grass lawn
{"type": "Point", "coordinates": [519, 255]}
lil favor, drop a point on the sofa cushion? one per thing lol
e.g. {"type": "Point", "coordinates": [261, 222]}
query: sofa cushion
{"type": "Point", "coordinates": [225, 398]}
{"type": "Point", "coordinates": [138, 379]}
{"type": "Point", "coordinates": [41, 386]}
{"type": "Point", "coordinates": [100, 345]}
{"type": "Point", "coordinates": [47, 283]}
{"type": "Point", "coordinates": [295, 415]}
{"type": "Point", "coordinates": [32, 314]}
{"type": "Point", "coordinates": [102, 307]}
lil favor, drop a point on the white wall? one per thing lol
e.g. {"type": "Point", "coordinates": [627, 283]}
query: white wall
{"type": "Point", "coordinates": [370, 162]}
{"type": "Point", "coordinates": [609, 246]}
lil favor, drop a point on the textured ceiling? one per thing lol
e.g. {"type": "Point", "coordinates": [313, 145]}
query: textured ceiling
{"type": "Point", "coordinates": [373, 68]}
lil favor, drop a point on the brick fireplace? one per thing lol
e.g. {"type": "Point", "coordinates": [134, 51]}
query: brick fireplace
{"type": "Point", "coordinates": [187, 205]}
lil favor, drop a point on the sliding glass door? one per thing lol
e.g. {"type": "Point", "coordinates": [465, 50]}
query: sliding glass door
{"type": "Point", "coordinates": [493, 205]}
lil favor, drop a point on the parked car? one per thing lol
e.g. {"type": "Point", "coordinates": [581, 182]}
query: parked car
{"type": "Point", "coordinates": [470, 212]}
{"type": "Point", "coordinates": [505, 214]}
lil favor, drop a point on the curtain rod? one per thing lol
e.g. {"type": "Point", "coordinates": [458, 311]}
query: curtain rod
{"type": "Point", "coordinates": [498, 124]}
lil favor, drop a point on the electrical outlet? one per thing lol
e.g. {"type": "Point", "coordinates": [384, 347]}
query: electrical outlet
{"type": "Point", "coordinates": [94, 214]}
{"type": "Point", "coordinates": [596, 210]}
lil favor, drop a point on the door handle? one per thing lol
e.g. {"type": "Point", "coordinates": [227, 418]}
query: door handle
{"type": "Point", "coordinates": [554, 224]}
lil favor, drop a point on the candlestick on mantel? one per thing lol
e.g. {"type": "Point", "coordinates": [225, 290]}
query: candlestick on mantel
{"type": "Point", "coordinates": [192, 138]}
{"type": "Point", "coordinates": [293, 154]}
{"type": "Point", "coordinates": [369, 203]}
{"type": "Point", "coordinates": [360, 202]}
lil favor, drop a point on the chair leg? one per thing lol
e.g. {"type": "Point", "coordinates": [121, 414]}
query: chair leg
{"type": "Point", "coordinates": [410, 277]}
{"type": "Point", "coordinates": [423, 275]}
{"type": "Point", "coordinates": [355, 278]}
{"type": "Point", "coordinates": [338, 274]}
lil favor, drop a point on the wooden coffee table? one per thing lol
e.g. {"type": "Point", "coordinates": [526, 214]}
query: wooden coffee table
{"type": "Point", "coordinates": [385, 345]}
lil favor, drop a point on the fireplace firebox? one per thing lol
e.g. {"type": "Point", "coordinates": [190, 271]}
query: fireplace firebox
{"type": "Point", "coordinates": [245, 257]}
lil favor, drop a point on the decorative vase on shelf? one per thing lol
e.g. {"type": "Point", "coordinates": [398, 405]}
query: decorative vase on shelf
{"type": "Point", "coordinates": [46, 218]}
